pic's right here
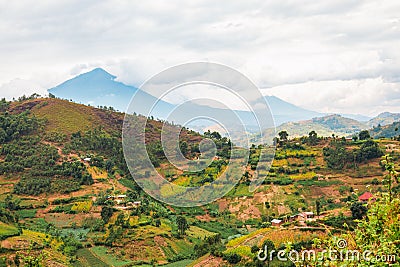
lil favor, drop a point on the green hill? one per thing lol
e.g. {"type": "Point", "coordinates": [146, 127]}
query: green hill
{"type": "Point", "coordinates": [388, 131]}
{"type": "Point", "coordinates": [324, 126]}
{"type": "Point", "coordinates": [383, 119]}
{"type": "Point", "coordinates": [63, 210]}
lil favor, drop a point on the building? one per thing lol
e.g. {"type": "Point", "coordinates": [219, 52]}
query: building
{"type": "Point", "coordinates": [367, 196]}
{"type": "Point", "coordinates": [306, 216]}
{"type": "Point", "coordinates": [118, 199]}
{"type": "Point", "coordinates": [276, 222]}
{"type": "Point", "coordinates": [294, 218]}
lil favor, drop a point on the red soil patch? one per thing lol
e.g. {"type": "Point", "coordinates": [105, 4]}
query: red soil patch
{"type": "Point", "coordinates": [223, 204]}
{"type": "Point", "coordinates": [204, 218]}
{"type": "Point", "coordinates": [210, 261]}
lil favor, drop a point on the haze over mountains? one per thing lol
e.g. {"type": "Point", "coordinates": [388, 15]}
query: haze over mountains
{"type": "Point", "coordinates": [99, 88]}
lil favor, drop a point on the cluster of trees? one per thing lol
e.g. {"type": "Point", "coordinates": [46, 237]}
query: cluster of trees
{"type": "Point", "coordinates": [7, 216]}
{"type": "Point", "coordinates": [23, 152]}
{"type": "Point", "coordinates": [102, 144]}
{"type": "Point", "coordinates": [24, 97]}
{"type": "Point", "coordinates": [106, 108]}
{"type": "Point", "coordinates": [363, 135]}
{"type": "Point", "coordinates": [223, 144]}
{"type": "Point", "coordinates": [283, 139]}
{"type": "Point", "coordinates": [4, 104]}
{"type": "Point", "coordinates": [13, 126]}
{"type": "Point", "coordinates": [37, 161]}
{"type": "Point", "coordinates": [27, 152]}
{"type": "Point", "coordinates": [212, 245]}
{"type": "Point", "coordinates": [337, 156]}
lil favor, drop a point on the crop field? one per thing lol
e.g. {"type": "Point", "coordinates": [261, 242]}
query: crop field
{"type": "Point", "coordinates": [199, 233]}
{"type": "Point", "coordinates": [88, 259]}
{"type": "Point", "coordinates": [109, 257]}
{"type": "Point", "coordinates": [7, 231]}
{"type": "Point", "coordinates": [31, 213]}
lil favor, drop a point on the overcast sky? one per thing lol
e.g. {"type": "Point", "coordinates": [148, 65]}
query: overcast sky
{"type": "Point", "coordinates": [328, 56]}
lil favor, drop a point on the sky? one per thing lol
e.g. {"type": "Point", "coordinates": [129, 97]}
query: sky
{"type": "Point", "coordinates": [329, 56]}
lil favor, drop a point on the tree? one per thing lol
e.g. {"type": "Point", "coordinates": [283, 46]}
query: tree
{"type": "Point", "coordinates": [336, 155]}
{"type": "Point", "coordinates": [364, 135]}
{"type": "Point", "coordinates": [254, 249]}
{"type": "Point", "coordinates": [392, 175]}
{"type": "Point", "coordinates": [12, 204]}
{"type": "Point", "coordinates": [183, 146]}
{"type": "Point", "coordinates": [318, 207]}
{"type": "Point", "coordinates": [232, 258]}
{"type": "Point", "coordinates": [369, 150]}
{"type": "Point", "coordinates": [106, 213]}
{"type": "Point", "coordinates": [358, 210]}
{"type": "Point", "coordinates": [182, 224]}
{"type": "Point", "coordinates": [216, 135]}
{"type": "Point", "coordinates": [283, 136]}
{"type": "Point", "coordinates": [120, 220]}
{"type": "Point", "coordinates": [266, 249]}
{"type": "Point", "coordinates": [312, 138]}
{"type": "Point", "coordinates": [268, 207]}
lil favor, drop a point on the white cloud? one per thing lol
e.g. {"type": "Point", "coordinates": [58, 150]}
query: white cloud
{"type": "Point", "coordinates": [19, 87]}
{"type": "Point", "coordinates": [365, 96]}
{"type": "Point", "coordinates": [278, 44]}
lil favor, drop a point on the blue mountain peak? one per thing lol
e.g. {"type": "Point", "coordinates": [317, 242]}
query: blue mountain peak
{"type": "Point", "coordinates": [96, 74]}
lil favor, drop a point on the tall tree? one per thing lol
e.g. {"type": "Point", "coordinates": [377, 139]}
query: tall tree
{"type": "Point", "coordinates": [283, 136]}
{"type": "Point", "coordinates": [358, 210]}
{"type": "Point", "coordinates": [313, 138]}
{"type": "Point", "coordinates": [318, 207]}
{"type": "Point", "coordinates": [182, 224]}
{"type": "Point", "coordinates": [364, 135]}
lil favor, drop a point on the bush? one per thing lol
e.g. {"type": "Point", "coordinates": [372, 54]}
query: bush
{"type": "Point", "coordinates": [232, 258]}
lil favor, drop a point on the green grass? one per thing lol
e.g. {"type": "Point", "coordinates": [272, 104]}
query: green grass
{"type": "Point", "coordinates": [79, 233]}
{"type": "Point", "coordinates": [27, 213]}
{"type": "Point", "coordinates": [179, 263]}
{"type": "Point", "coordinates": [218, 227]}
{"type": "Point", "coordinates": [28, 203]}
{"type": "Point", "coordinates": [199, 233]}
{"type": "Point", "coordinates": [190, 211]}
{"type": "Point", "coordinates": [109, 258]}
{"type": "Point", "coordinates": [127, 183]}
{"type": "Point", "coordinates": [241, 191]}
{"type": "Point", "coordinates": [322, 183]}
{"type": "Point", "coordinates": [88, 259]}
{"type": "Point", "coordinates": [181, 247]}
{"type": "Point", "coordinates": [7, 231]}
{"type": "Point", "coordinates": [36, 224]}
{"type": "Point", "coordinates": [169, 252]}
{"type": "Point", "coordinates": [66, 117]}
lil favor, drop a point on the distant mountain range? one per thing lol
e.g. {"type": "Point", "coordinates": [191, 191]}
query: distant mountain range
{"type": "Point", "coordinates": [384, 119]}
{"type": "Point", "coordinates": [99, 88]}
{"type": "Point", "coordinates": [324, 126]}
{"type": "Point", "coordinates": [387, 131]}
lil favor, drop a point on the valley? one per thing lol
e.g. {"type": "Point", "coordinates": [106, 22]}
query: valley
{"type": "Point", "coordinates": [67, 197]}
